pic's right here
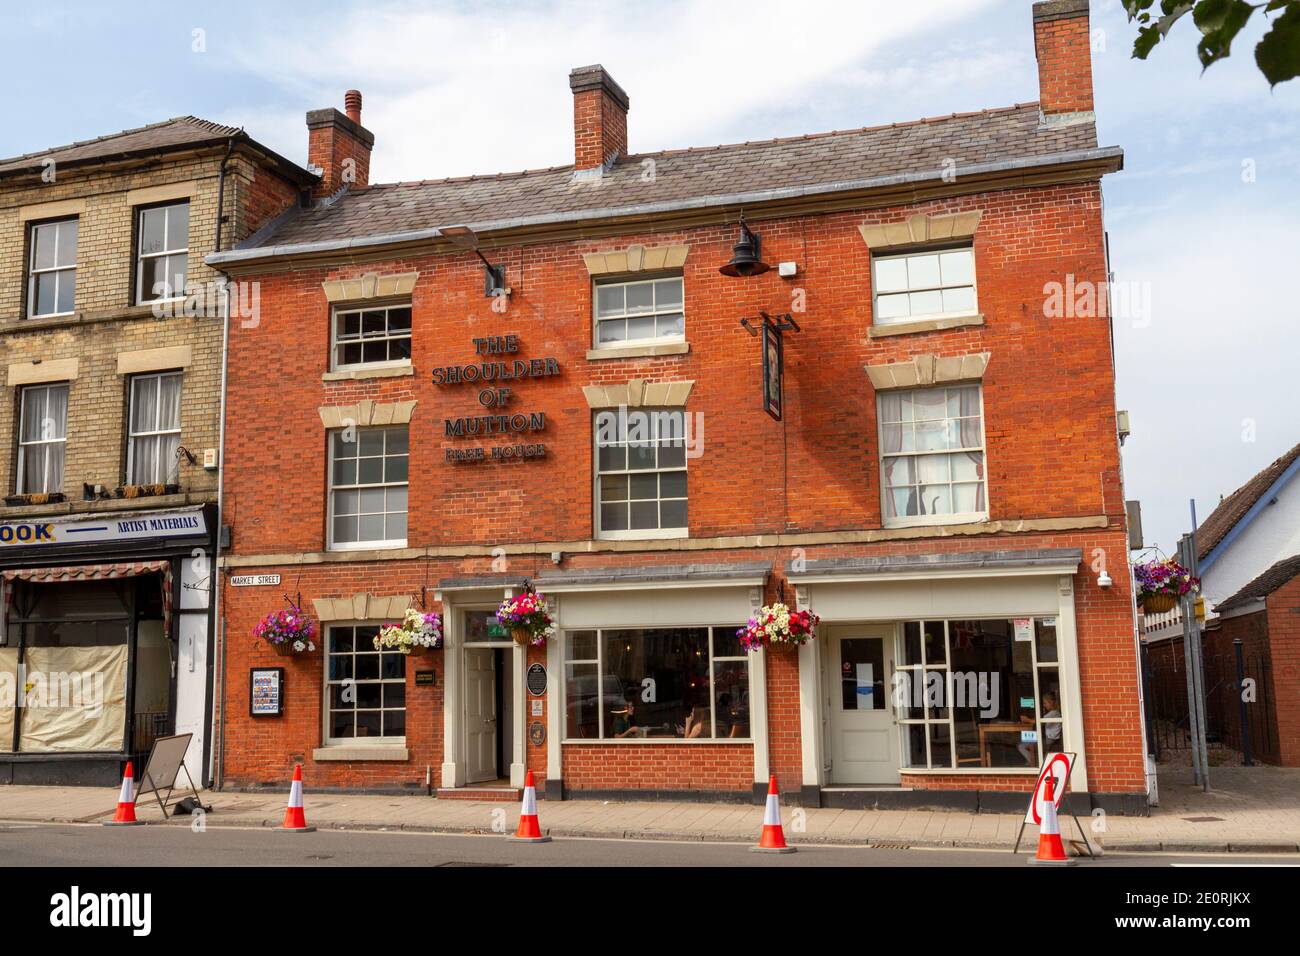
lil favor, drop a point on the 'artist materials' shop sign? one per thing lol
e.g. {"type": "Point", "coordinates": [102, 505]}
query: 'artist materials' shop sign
{"type": "Point", "coordinates": [495, 376]}
{"type": "Point", "coordinates": [102, 528]}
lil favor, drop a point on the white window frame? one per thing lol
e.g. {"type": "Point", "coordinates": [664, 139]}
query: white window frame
{"type": "Point", "coordinates": [1036, 665]}
{"type": "Point", "coordinates": [330, 741]}
{"type": "Point", "coordinates": [927, 316]}
{"type": "Point", "coordinates": [145, 296]}
{"type": "Point", "coordinates": [964, 517]}
{"type": "Point", "coordinates": [646, 534]}
{"type": "Point", "coordinates": [596, 319]}
{"type": "Point", "coordinates": [24, 443]}
{"type": "Point", "coordinates": [600, 675]}
{"type": "Point", "coordinates": [173, 470]}
{"type": "Point", "coordinates": [335, 345]}
{"type": "Point", "coordinates": [331, 489]}
{"type": "Point", "coordinates": [33, 273]}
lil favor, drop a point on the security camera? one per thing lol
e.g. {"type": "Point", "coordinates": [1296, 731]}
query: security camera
{"type": "Point", "coordinates": [1104, 581]}
{"type": "Point", "coordinates": [557, 557]}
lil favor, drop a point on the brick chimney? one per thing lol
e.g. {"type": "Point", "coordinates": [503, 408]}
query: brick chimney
{"type": "Point", "coordinates": [599, 117]}
{"type": "Point", "coordinates": [339, 146]}
{"type": "Point", "coordinates": [1062, 43]}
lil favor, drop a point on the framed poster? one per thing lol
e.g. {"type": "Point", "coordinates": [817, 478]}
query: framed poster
{"type": "Point", "coordinates": [773, 369]}
{"type": "Point", "coordinates": [266, 692]}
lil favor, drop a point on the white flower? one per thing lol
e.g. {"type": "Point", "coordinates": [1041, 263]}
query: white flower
{"type": "Point", "coordinates": [299, 646]}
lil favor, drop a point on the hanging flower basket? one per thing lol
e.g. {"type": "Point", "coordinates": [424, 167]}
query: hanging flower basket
{"type": "Point", "coordinates": [778, 626]}
{"type": "Point", "coordinates": [419, 631]}
{"type": "Point", "coordinates": [288, 631]}
{"type": "Point", "coordinates": [1161, 583]}
{"type": "Point", "coordinates": [528, 619]}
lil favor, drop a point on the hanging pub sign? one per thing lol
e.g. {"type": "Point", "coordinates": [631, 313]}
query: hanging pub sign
{"type": "Point", "coordinates": [495, 375]}
{"type": "Point", "coordinates": [771, 334]}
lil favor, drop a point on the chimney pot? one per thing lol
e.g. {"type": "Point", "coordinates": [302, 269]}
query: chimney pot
{"type": "Point", "coordinates": [1063, 46]}
{"type": "Point", "coordinates": [352, 105]}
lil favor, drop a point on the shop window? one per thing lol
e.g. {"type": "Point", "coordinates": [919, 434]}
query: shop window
{"type": "Point", "coordinates": [932, 456]}
{"type": "Point", "coordinates": [917, 286]}
{"type": "Point", "coordinates": [155, 429]}
{"type": "Point", "coordinates": [162, 241]}
{"type": "Point", "coordinates": [656, 683]}
{"type": "Point", "coordinates": [42, 439]}
{"type": "Point", "coordinates": [639, 313]}
{"type": "Point", "coordinates": [52, 269]}
{"type": "Point", "coordinates": [365, 689]}
{"type": "Point", "coordinates": [641, 473]}
{"type": "Point", "coordinates": [368, 470]}
{"type": "Point", "coordinates": [979, 693]}
{"type": "Point", "coordinates": [372, 338]}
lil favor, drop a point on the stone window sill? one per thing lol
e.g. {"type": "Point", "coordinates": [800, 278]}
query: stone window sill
{"type": "Point", "coordinates": [928, 325]}
{"type": "Point", "coordinates": [638, 351]}
{"type": "Point", "coordinates": [358, 374]}
{"type": "Point", "coordinates": [347, 754]}
{"type": "Point", "coordinates": [16, 325]}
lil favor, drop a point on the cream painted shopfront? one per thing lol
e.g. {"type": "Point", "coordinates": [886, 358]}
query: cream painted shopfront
{"type": "Point", "coordinates": [927, 670]}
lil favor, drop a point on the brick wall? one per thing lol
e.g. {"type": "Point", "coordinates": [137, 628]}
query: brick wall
{"type": "Point", "coordinates": [1284, 646]}
{"type": "Point", "coordinates": [1049, 421]}
{"type": "Point", "coordinates": [108, 321]}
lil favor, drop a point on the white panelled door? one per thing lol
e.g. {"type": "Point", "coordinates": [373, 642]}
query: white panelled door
{"type": "Point", "coordinates": [480, 715]}
{"type": "Point", "coordinates": [863, 725]}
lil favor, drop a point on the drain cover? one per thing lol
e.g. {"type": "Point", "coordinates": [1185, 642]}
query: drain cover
{"type": "Point", "coordinates": [889, 846]}
{"type": "Point", "coordinates": [1203, 819]}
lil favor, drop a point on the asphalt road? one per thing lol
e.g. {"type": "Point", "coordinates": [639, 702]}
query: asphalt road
{"type": "Point", "coordinates": [89, 846]}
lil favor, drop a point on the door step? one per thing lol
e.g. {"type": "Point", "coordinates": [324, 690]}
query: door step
{"type": "Point", "coordinates": [483, 794]}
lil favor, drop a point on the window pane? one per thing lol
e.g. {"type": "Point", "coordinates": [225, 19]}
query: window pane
{"type": "Point", "coordinates": [46, 295]}
{"type": "Point", "coordinates": [45, 246]}
{"type": "Point", "coordinates": [892, 306]}
{"type": "Point", "coordinates": [662, 676]}
{"type": "Point", "coordinates": [731, 697]}
{"type": "Point", "coordinates": [178, 226]}
{"type": "Point", "coordinates": [993, 694]}
{"type": "Point", "coordinates": [643, 486]}
{"type": "Point", "coordinates": [672, 514]}
{"type": "Point", "coordinates": [642, 327]}
{"type": "Point", "coordinates": [891, 275]}
{"type": "Point", "coordinates": [672, 484]}
{"type": "Point", "coordinates": [153, 222]}
{"type": "Point", "coordinates": [726, 642]}
{"type": "Point", "coordinates": [609, 300]}
{"type": "Point", "coordinates": [957, 267]}
{"type": "Point", "coordinates": [613, 458]}
{"type": "Point", "coordinates": [64, 300]}
{"type": "Point", "coordinates": [940, 746]}
{"type": "Point", "coordinates": [925, 303]}
{"type": "Point", "coordinates": [966, 499]}
{"type": "Point", "coordinates": [922, 271]}
{"type": "Point", "coordinates": [644, 515]}
{"type": "Point", "coordinates": [613, 487]}
{"type": "Point", "coordinates": [668, 294]}
{"type": "Point", "coordinates": [614, 330]}
{"type": "Point", "coordinates": [1046, 635]}
{"type": "Point", "coordinates": [582, 645]}
{"type": "Point", "coordinates": [640, 297]}
{"type": "Point", "coordinates": [672, 456]}
{"type": "Point", "coordinates": [613, 517]}
{"type": "Point", "coordinates": [959, 300]}
{"type": "Point", "coordinates": [670, 325]}
{"type": "Point", "coordinates": [936, 500]}
{"type": "Point", "coordinates": [932, 468]}
{"type": "Point", "coordinates": [584, 699]}
{"type": "Point", "coordinates": [862, 674]}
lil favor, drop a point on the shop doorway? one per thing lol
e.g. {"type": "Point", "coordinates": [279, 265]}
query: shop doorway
{"type": "Point", "coordinates": [488, 700]}
{"type": "Point", "coordinates": [863, 726]}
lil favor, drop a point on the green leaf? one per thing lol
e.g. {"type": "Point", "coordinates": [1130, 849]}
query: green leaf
{"type": "Point", "coordinates": [1278, 54]}
{"type": "Point", "coordinates": [1219, 22]}
{"type": "Point", "coordinates": [1146, 40]}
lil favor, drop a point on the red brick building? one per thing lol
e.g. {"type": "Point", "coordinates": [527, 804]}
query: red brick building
{"type": "Point", "coordinates": [445, 401]}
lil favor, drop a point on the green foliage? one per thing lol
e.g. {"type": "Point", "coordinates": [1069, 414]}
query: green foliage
{"type": "Point", "coordinates": [1277, 55]}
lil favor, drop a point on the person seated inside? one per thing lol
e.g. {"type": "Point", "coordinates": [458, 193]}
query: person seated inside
{"type": "Point", "coordinates": [625, 719]}
{"type": "Point", "coordinates": [697, 723]}
{"type": "Point", "coordinates": [1051, 732]}
{"type": "Point", "coordinates": [731, 723]}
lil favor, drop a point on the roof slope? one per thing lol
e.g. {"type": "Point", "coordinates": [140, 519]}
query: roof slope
{"type": "Point", "coordinates": [1234, 507]}
{"type": "Point", "coordinates": [170, 134]}
{"type": "Point", "coordinates": [966, 139]}
{"type": "Point", "coordinates": [1264, 585]}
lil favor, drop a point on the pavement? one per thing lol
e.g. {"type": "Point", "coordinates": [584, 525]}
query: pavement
{"type": "Point", "coordinates": [1248, 810]}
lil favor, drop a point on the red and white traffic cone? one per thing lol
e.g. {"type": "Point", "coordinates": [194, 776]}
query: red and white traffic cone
{"type": "Point", "coordinates": [125, 815]}
{"type": "Point", "coordinates": [295, 820]}
{"type": "Point", "coordinates": [1050, 849]}
{"type": "Point", "coordinates": [530, 830]}
{"type": "Point", "coordinates": [773, 838]}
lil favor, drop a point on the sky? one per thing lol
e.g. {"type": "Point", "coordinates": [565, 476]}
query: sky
{"type": "Point", "coordinates": [1201, 221]}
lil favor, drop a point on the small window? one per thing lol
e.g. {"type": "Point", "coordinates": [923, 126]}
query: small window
{"type": "Point", "coordinates": [366, 688]}
{"type": "Point", "coordinates": [639, 312]}
{"type": "Point", "coordinates": [641, 473]}
{"type": "Point", "coordinates": [52, 269]}
{"type": "Point", "coordinates": [932, 455]}
{"type": "Point", "coordinates": [923, 285]}
{"type": "Point", "coordinates": [155, 429]}
{"type": "Point", "coordinates": [372, 337]}
{"type": "Point", "coordinates": [368, 487]}
{"type": "Point", "coordinates": [163, 240]}
{"type": "Point", "coordinates": [42, 439]}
